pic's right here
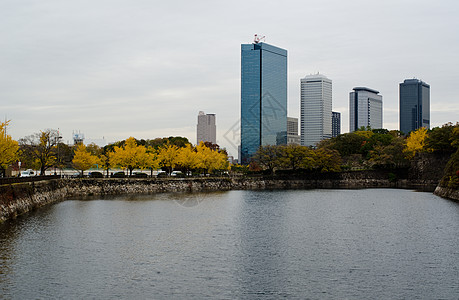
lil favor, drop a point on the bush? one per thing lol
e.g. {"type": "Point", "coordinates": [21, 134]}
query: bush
{"type": "Point", "coordinates": [118, 175]}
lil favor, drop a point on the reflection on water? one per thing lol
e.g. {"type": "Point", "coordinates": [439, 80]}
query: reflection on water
{"type": "Point", "coordinates": [330, 244]}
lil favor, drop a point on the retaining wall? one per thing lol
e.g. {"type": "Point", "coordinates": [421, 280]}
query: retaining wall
{"type": "Point", "coordinates": [19, 198]}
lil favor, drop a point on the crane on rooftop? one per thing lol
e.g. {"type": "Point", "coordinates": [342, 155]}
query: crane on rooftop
{"type": "Point", "coordinates": [258, 39]}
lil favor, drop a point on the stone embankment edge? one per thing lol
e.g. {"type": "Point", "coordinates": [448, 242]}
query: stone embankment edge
{"type": "Point", "coordinates": [447, 193]}
{"type": "Point", "coordinates": [17, 199]}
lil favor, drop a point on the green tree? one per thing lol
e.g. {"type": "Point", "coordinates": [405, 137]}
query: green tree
{"type": "Point", "coordinates": [268, 157]}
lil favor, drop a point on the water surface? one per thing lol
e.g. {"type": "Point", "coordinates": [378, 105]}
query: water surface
{"type": "Point", "coordinates": [317, 244]}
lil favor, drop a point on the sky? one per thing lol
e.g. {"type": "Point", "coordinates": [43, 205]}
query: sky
{"type": "Point", "coordinates": [112, 69]}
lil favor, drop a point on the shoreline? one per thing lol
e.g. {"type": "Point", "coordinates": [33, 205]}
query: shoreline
{"type": "Point", "coordinates": [19, 198]}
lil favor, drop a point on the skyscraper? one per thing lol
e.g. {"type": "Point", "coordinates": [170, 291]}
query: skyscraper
{"type": "Point", "coordinates": [365, 109]}
{"type": "Point", "coordinates": [263, 97]}
{"type": "Point", "coordinates": [414, 105]}
{"type": "Point", "coordinates": [336, 123]}
{"type": "Point", "coordinates": [316, 109]}
{"type": "Point", "coordinates": [206, 130]}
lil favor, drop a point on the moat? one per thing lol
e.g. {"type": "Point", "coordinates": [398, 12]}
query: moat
{"type": "Point", "coordinates": [333, 244]}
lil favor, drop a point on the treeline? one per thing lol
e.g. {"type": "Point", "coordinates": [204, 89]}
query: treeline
{"type": "Point", "coordinates": [44, 150]}
{"type": "Point", "coordinates": [364, 149]}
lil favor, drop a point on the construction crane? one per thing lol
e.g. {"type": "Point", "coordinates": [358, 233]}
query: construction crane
{"type": "Point", "coordinates": [258, 39]}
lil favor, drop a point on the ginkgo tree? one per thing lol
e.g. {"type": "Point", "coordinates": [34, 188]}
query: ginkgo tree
{"type": "Point", "coordinates": [131, 156]}
{"type": "Point", "coordinates": [84, 159]}
{"type": "Point", "coordinates": [8, 147]}
{"type": "Point", "coordinates": [415, 142]}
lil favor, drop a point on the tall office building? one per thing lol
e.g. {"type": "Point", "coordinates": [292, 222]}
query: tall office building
{"type": "Point", "coordinates": [206, 130]}
{"type": "Point", "coordinates": [336, 123]}
{"type": "Point", "coordinates": [414, 105]}
{"type": "Point", "coordinates": [292, 131]}
{"type": "Point", "coordinates": [316, 109]}
{"type": "Point", "coordinates": [263, 97]}
{"type": "Point", "coordinates": [365, 109]}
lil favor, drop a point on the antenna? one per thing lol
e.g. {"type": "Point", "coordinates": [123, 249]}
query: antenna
{"type": "Point", "coordinates": [257, 39]}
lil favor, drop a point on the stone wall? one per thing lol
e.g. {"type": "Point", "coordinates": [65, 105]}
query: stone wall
{"type": "Point", "coordinates": [16, 199]}
{"type": "Point", "coordinates": [447, 193]}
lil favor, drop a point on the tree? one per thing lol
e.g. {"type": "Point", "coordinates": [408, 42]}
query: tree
{"type": "Point", "coordinates": [187, 158]}
{"type": "Point", "coordinates": [167, 155]}
{"type": "Point", "coordinates": [415, 142]}
{"type": "Point", "coordinates": [84, 159]}
{"type": "Point", "coordinates": [39, 150]}
{"type": "Point", "coordinates": [130, 156]}
{"type": "Point", "coordinates": [389, 156]}
{"type": "Point", "coordinates": [268, 157]}
{"type": "Point", "coordinates": [8, 147]}
{"type": "Point", "coordinates": [327, 160]}
{"type": "Point", "coordinates": [441, 139]}
{"type": "Point", "coordinates": [293, 156]}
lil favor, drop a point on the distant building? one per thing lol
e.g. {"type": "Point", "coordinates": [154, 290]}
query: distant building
{"type": "Point", "coordinates": [365, 109]}
{"type": "Point", "coordinates": [206, 130]}
{"type": "Point", "coordinates": [336, 123]}
{"type": "Point", "coordinates": [414, 105]}
{"type": "Point", "coordinates": [292, 131]}
{"type": "Point", "coordinates": [316, 109]}
{"type": "Point", "coordinates": [263, 97]}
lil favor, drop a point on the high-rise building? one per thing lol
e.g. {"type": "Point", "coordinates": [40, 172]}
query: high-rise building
{"type": "Point", "coordinates": [263, 97]}
{"type": "Point", "coordinates": [365, 109]}
{"type": "Point", "coordinates": [336, 123]}
{"type": "Point", "coordinates": [206, 130]}
{"type": "Point", "coordinates": [292, 131]}
{"type": "Point", "coordinates": [414, 105]}
{"type": "Point", "coordinates": [316, 109]}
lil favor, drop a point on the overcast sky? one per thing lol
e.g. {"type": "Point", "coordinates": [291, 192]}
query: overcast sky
{"type": "Point", "coordinates": [118, 68]}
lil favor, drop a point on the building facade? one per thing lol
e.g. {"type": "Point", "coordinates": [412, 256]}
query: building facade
{"type": "Point", "coordinates": [365, 109]}
{"type": "Point", "coordinates": [206, 129]}
{"type": "Point", "coordinates": [336, 123]}
{"type": "Point", "coordinates": [316, 109]}
{"type": "Point", "coordinates": [292, 131]}
{"type": "Point", "coordinates": [263, 97]}
{"type": "Point", "coordinates": [414, 105]}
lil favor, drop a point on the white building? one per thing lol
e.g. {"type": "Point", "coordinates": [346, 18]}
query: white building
{"type": "Point", "coordinates": [316, 109]}
{"type": "Point", "coordinates": [206, 130]}
{"type": "Point", "coordinates": [365, 109]}
{"type": "Point", "coordinates": [292, 131]}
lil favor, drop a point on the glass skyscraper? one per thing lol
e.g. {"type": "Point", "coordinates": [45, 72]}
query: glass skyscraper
{"type": "Point", "coordinates": [263, 97]}
{"type": "Point", "coordinates": [414, 105]}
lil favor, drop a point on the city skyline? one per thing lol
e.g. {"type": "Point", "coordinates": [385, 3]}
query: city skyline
{"type": "Point", "coordinates": [115, 71]}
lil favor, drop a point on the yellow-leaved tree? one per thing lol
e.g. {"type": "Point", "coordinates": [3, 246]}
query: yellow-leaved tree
{"type": "Point", "coordinates": [168, 156]}
{"type": "Point", "coordinates": [187, 158]}
{"type": "Point", "coordinates": [130, 156]}
{"type": "Point", "coordinates": [415, 142]}
{"type": "Point", "coordinates": [211, 160]}
{"type": "Point", "coordinates": [8, 147]}
{"type": "Point", "coordinates": [84, 159]}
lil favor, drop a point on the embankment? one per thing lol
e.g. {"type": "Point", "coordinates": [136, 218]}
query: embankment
{"type": "Point", "coordinates": [19, 198]}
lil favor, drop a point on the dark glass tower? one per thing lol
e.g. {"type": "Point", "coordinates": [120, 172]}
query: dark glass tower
{"type": "Point", "coordinates": [263, 97]}
{"type": "Point", "coordinates": [414, 105]}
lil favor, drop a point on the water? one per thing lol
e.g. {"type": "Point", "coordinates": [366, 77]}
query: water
{"type": "Point", "coordinates": [316, 244]}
